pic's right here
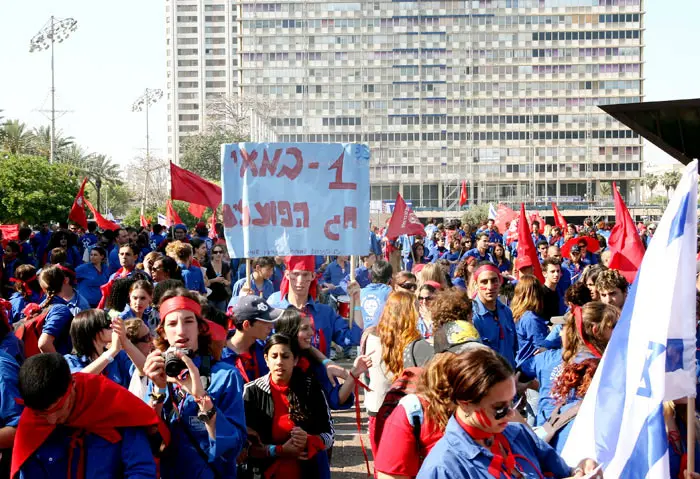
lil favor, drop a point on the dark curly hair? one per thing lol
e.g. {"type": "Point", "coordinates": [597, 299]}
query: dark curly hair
{"type": "Point", "coordinates": [574, 380]}
{"type": "Point", "coordinates": [451, 305]}
{"type": "Point", "coordinates": [578, 294]}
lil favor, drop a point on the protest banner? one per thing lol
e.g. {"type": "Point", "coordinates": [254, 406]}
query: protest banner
{"type": "Point", "coordinates": [295, 199]}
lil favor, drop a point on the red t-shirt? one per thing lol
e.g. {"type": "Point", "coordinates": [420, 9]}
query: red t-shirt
{"type": "Point", "coordinates": [398, 453]}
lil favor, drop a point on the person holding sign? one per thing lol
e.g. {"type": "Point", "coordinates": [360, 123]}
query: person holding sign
{"type": "Point", "coordinates": [298, 289]}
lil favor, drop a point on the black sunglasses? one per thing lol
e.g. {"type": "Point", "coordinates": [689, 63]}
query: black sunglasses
{"type": "Point", "coordinates": [409, 286]}
{"type": "Point", "coordinates": [501, 412]}
{"type": "Point", "coordinates": [217, 252]}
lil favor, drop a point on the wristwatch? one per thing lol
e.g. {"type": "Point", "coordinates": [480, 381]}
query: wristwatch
{"type": "Point", "coordinates": [205, 416]}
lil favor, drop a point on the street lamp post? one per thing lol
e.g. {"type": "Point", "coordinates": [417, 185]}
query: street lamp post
{"type": "Point", "coordinates": [149, 97]}
{"type": "Point", "coordinates": [56, 30]}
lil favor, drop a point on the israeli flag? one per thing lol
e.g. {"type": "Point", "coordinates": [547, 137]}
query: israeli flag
{"type": "Point", "coordinates": [492, 212]}
{"type": "Point", "coordinates": [651, 355]}
{"type": "Point", "coordinates": [162, 220]}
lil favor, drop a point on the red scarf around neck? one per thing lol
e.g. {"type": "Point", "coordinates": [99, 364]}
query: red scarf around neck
{"type": "Point", "coordinates": [499, 446]}
{"type": "Point", "coordinates": [101, 406]}
{"type": "Point", "coordinates": [107, 287]}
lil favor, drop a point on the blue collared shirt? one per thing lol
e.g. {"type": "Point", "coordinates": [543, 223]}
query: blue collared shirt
{"type": "Point", "coordinates": [458, 456]}
{"type": "Point", "coordinates": [532, 327]}
{"type": "Point", "coordinates": [335, 328]}
{"type": "Point", "coordinates": [255, 367]}
{"type": "Point", "coordinates": [90, 281]}
{"type": "Point", "coordinates": [267, 289]}
{"type": "Point", "coordinates": [546, 368]}
{"type": "Point", "coordinates": [277, 275]}
{"type": "Point", "coordinates": [77, 303]}
{"type": "Point", "coordinates": [193, 278]}
{"type": "Point", "coordinates": [18, 302]}
{"type": "Point", "coordinates": [474, 253]}
{"type": "Point", "coordinates": [362, 277]}
{"type": "Point", "coordinates": [57, 324]}
{"type": "Point", "coordinates": [131, 457]}
{"type": "Point", "coordinates": [497, 329]}
{"type": "Point", "coordinates": [119, 370]}
{"type": "Point", "coordinates": [151, 317]}
{"type": "Point", "coordinates": [335, 273]}
{"type": "Point", "coordinates": [181, 458]}
{"type": "Point", "coordinates": [9, 391]}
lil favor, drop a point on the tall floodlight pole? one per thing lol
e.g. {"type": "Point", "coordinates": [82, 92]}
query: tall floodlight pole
{"type": "Point", "coordinates": [142, 103]}
{"type": "Point", "coordinates": [56, 30]}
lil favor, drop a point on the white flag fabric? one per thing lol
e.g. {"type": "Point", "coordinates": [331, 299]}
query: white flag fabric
{"type": "Point", "coordinates": [492, 212]}
{"type": "Point", "coordinates": [651, 355]}
{"type": "Point", "coordinates": [162, 220]}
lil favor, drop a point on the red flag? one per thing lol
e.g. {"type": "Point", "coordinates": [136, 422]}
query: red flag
{"type": "Point", "coordinates": [101, 221]}
{"type": "Point", "coordinates": [525, 245]}
{"type": "Point", "coordinates": [504, 215]}
{"type": "Point", "coordinates": [196, 210]}
{"type": "Point", "coordinates": [404, 221]}
{"type": "Point", "coordinates": [212, 225]}
{"type": "Point", "coordinates": [558, 217]}
{"type": "Point", "coordinates": [463, 193]}
{"type": "Point", "coordinates": [625, 244]}
{"type": "Point", "coordinates": [77, 212]}
{"type": "Point", "coordinates": [536, 217]}
{"type": "Point", "coordinates": [9, 232]}
{"type": "Point", "coordinates": [186, 186]}
{"type": "Point", "coordinates": [171, 214]}
{"type": "Point", "coordinates": [144, 222]}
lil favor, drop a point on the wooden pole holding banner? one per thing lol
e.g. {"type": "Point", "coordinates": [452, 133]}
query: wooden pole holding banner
{"type": "Point", "coordinates": [690, 415]}
{"type": "Point", "coordinates": [247, 273]}
{"type": "Point", "coordinates": [353, 265]}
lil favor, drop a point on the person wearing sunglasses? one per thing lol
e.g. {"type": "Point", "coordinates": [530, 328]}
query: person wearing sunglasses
{"type": "Point", "coordinates": [426, 295]}
{"type": "Point", "coordinates": [406, 282]}
{"type": "Point", "coordinates": [218, 278]}
{"type": "Point", "coordinates": [100, 346]}
{"type": "Point", "coordinates": [483, 439]}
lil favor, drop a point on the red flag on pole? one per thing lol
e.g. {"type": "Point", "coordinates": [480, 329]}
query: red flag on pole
{"type": "Point", "coordinates": [504, 215]}
{"type": "Point", "coordinates": [101, 221]}
{"type": "Point", "coordinates": [558, 217]}
{"type": "Point", "coordinates": [212, 225]}
{"type": "Point", "coordinates": [196, 210]}
{"type": "Point", "coordinates": [526, 248]}
{"type": "Point", "coordinates": [144, 222]}
{"type": "Point", "coordinates": [625, 245]}
{"type": "Point", "coordinates": [171, 214]}
{"type": "Point", "coordinates": [186, 186]}
{"type": "Point", "coordinates": [77, 212]}
{"type": "Point", "coordinates": [463, 194]}
{"type": "Point", "coordinates": [9, 232]}
{"type": "Point", "coordinates": [537, 217]}
{"type": "Point", "coordinates": [404, 221]}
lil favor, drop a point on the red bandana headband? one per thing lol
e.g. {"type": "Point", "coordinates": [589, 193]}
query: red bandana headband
{"type": "Point", "coordinates": [578, 318]}
{"type": "Point", "coordinates": [179, 303]}
{"type": "Point", "coordinates": [485, 268]}
{"type": "Point", "coordinates": [24, 284]}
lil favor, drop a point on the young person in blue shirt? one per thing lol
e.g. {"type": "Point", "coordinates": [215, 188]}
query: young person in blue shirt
{"type": "Point", "coordinates": [55, 336]}
{"type": "Point", "coordinates": [26, 251]}
{"type": "Point", "coordinates": [191, 275]}
{"type": "Point", "coordinates": [493, 319]}
{"type": "Point", "coordinates": [481, 440]}
{"type": "Point", "coordinates": [27, 290]}
{"type": "Point", "coordinates": [207, 424]}
{"type": "Point", "coordinates": [100, 346]}
{"type": "Point", "coordinates": [40, 242]}
{"type": "Point", "coordinates": [203, 234]}
{"type": "Point", "coordinates": [536, 235]}
{"type": "Point", "coordinates": [278, 273]}
{"type": "Point", "coordinates": [260, 283]}
{"type": "Point", "coordinates": [527, 305]}
{"type": "Point", "coordinates": [10, 410]}
{"type": "Point", "coordinates": [121, 238]}
{"type": "Point", "coordinates": [334, 274]}
{"type": "Point", "coordinates": [92, 276]}
{"type": "Point", "coordinates": [156, 237]}
{"type": "Point", "coordinates": [373, 296]}
{"type": "Point", "coordinates": [299, 290]}
{"type": "Point", "coordinates": [139, 306]}
{"type": "Point", "coordinates": [75, 301]}
{"type": "Point", "coordinates": [253, 320]}
{"type": "Point", "coordinates": [67, 241]}
{"type": "Point", "coordinates": [89, 240]}
{"type": "Point", "coordinates": [481, 252]}
{"type": "Point", "coordinates": [81, 422]}
{"type": "Point", "coordinates": [418, 257]}
{"type": "Point", "coordinates": [10, 261]}
{"type": "Point", "coordinates": [363, 274]}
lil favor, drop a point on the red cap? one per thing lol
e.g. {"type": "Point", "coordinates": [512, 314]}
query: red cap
{"type": "Point", "coordinates": [200, 225]}
{"type": "Point", "coordinates": [524, 262]}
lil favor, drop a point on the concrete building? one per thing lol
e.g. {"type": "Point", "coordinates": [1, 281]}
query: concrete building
{"type": "Point", "coordinates": [500, 93]}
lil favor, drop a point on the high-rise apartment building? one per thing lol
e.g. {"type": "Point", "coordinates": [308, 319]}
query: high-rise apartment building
{"type": "Point", "coordinates": [500, 93]}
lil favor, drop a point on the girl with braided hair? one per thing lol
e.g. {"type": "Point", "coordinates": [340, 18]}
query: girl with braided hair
{"type": "Point", "coordinates": [55, 336]}
{"type": "Point", "coordinates": [288, 419]}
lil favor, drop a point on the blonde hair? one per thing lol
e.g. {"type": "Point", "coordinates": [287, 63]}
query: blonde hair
{"type": "Point", "coordinates": [432, 272]}
{"type": "Point", "coordinates": [528, 297]}
{"type": "Point", "coordinates": [397, 328]}
{"type": "Point", "coordinates": [434, 386]}
{"type": "Point", "coordinates": [179, 251]}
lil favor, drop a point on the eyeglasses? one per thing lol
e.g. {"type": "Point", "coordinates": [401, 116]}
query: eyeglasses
{"type": "Point", "coordinates": [408, 286]}
{"type": "Point", "coordinates": [217, 252]}
{"type": "Point", "coordinates": [425, 299]}
{"type": "Point", "coordinates": [501, 412]}
{"type": "Point", "coordinates": [156, 269]}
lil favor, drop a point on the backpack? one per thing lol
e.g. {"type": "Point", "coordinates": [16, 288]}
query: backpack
{"type": "Point", "coordinates": [29, 331]}
{"type": "Point", "coordinates": [404, 385]}
{"type": "Point", "coordinates": [557, 421]}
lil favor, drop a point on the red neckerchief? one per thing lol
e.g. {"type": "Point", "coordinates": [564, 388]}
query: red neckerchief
{"type": "Point", "coordinates": [249, 362]}
{"type": "Point", "coordinates": [499, 463]}
{"type": "Point", "coordinates": [116, 408]}
{"type": "Point", "coordinates": [107, 287]}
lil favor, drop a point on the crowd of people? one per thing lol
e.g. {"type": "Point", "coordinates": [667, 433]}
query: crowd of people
{"type": "Point", "coordinates": [150, 353]}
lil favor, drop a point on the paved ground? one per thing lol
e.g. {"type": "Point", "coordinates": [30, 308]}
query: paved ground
{"type": "Point", "coordinates": [348, 461]}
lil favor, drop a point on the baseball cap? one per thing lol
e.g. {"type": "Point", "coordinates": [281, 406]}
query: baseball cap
{"type": "Point", "coordinates": [575, 249]}
{"type": "Point", "coordinates": [524, 262]}
{"type": "Point", "coordinates": [255, 308]}
{"type": "Point", "coordinates": [456, 336]}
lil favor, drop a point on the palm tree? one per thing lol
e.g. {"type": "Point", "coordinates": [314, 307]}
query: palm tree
{"type": "Point", "coordinates": [99, 170]}
{"type": "Point", "coordinates": [42, 142]}
{"type": "Point", "coordinates": [651, 181]}
{"type": "Point", "coordinates": [670, 180]}
{"type": "Point", "coordinates": [15, 138]}
{"type": "Point", "coordinates": [605, 189]}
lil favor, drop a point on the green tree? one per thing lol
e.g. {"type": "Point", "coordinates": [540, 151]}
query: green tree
{"type": "Point", "coordinates": [41, 142]}
{"type": "Point", "coordinates": [115, 198]}
{"type": "Point", "coordinates": [34, 190]}
{"type": "Point", "coordinates": [651, 181]}
{"type": "Point", "coordinates": [100, 170]}
{"type": "Point", "coordinates": [15, 138]}
{"type": "Point", "coordinates": [133, 217]}
{"type": "Point", "coordinates": [605, 189]}
{"type": "Point", "coordinates": [669, 180]}
{"type": "Point", "coordinates": [476, 215]}
{"type": "Point", "coordinates": [202, 152]}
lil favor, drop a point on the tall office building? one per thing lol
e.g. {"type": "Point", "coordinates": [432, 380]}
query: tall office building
{"type": "Point", "coordinates": [500, 93]}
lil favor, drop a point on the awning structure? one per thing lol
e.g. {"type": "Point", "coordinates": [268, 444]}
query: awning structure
{"type": "Point", "coordinates": [673, 126]}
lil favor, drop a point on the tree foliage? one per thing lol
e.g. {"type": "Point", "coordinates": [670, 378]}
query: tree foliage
{"type": "Point", "coordinates": [670, 179]}
{"type": "Point", "coordinates": [34, 190]}
{"type": "Point", "coordinates": [202, 152]}
{"type": "Point", "coordinates": [651, 181]}
{"type": "Point", "coordinates": [475, 215]}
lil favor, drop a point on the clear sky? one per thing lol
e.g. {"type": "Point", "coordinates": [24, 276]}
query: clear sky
{"type": "Point", "coordinates": [119, 50]}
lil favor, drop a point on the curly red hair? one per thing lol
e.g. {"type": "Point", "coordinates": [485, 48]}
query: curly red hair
{"type": "Point", "coordinates": [574, 380]}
